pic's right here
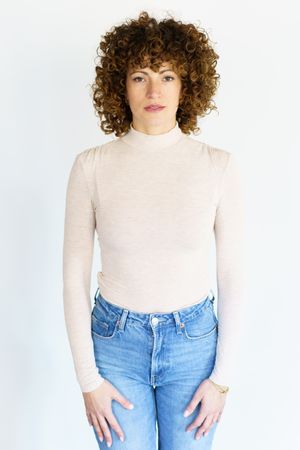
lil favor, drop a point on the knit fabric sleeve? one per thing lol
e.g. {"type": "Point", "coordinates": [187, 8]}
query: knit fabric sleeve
{"type": "Point", "coordinates": [229, 231]}
{"type": "Point", "coordinates": [78, 247]}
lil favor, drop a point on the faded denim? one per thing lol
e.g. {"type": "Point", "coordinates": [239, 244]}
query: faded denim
{"type": "Point", "coordinates": [157, 361]}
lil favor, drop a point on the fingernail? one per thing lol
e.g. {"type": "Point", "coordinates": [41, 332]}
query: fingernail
{"type": "Point", "coordinates": [121, 438]}
{"type": "Point", "coordinates": [131, 406]}
{"type": "Point", "coordinates": [109, 444]}
{"type": "Point", "coordinates": [186, 413]}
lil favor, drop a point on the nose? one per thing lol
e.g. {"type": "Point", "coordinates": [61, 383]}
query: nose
{"type": "Point", "coordinates": [153, 90]}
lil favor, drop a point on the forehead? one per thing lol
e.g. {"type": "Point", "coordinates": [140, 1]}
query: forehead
{"type": "Point", "coordinates": [163, 66]}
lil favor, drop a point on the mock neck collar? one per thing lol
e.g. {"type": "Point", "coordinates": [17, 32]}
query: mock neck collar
{"type": "Point", "coordinates": [152, 141]}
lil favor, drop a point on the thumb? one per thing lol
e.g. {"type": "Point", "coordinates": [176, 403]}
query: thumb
{"type": "Point", "coordinates": [122, 400]}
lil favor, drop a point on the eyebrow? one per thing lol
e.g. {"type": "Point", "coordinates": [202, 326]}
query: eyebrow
{"type": "Point", "coordinates": [146, 73]}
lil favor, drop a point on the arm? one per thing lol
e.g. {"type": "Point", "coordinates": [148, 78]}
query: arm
{"type": "Point", "coordinates": [229, 230]}
{"type": "Point", "coordinates": [78, 247]}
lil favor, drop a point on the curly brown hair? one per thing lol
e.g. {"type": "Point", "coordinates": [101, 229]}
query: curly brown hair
{"type": "Point", "coordinates": [145, 42]}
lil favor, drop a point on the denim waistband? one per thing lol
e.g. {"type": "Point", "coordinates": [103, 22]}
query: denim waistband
{"type": "Point", "coordinates": [181, 314]}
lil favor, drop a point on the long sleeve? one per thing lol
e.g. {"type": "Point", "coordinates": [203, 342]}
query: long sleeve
{"type": "Point", "coordinates": [229, 230]}
{"type": "Point", "coordinates": [78, 246]}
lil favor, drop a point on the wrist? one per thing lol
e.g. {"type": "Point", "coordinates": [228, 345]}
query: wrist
{"type": "Point", "coordinates": [221, 388]}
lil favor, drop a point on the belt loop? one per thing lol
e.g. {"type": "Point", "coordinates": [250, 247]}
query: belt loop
{"type": "Point", "coordinates": [178, 323]}
{"type": "Point", "coordinates": [122, 320]}
{"type": "Point", "coordinates": [212, 298]}
{"type": "Point", "coordinates": [95, 296]}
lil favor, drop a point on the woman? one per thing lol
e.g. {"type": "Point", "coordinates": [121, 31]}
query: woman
{"type": "Point", "coordinates": [155, 196]}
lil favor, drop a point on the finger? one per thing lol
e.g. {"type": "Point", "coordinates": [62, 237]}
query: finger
{"type": "Point", "coordinates": [115, 426]}
{"type": "Point", "coordinates": [216, 416]}
{"type": "Point", "coordinates": [197, 422]}
{"type": "Point", "coordinates": [89, 419]}
{"type": "Point", "coordinates": [105, 429]}
{"type": "Point", "coordinates": [97, 427]}
{"type": "Point", "coordinates": [205, 427]}
{"type": "Point", "coordinates": [191, 406]}
{"type": "Point", "coordinates": [122, 400]}
{"type": "Point", "coordinates": [219, 416]}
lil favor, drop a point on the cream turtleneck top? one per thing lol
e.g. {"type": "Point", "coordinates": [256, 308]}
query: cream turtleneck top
{"type": "Point", "coordinates": [155, 202]}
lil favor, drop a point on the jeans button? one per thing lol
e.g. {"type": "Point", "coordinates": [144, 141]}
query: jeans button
{"type": "Point", "coordinates": [154, 320]}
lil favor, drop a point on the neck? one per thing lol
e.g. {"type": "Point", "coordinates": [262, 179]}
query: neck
{"type": "Point", "coordinates": [152, 142]}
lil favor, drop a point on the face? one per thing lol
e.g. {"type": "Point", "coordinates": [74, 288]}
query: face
{"type": "Point", "coordinates": [144, 88]}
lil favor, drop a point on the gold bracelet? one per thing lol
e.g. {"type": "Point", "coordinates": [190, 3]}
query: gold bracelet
{"type": "Point", "coordinates": [222, 389]}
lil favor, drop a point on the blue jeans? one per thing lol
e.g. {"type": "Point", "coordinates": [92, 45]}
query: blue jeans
{"type": "Point", "coordinates": [157, 361]}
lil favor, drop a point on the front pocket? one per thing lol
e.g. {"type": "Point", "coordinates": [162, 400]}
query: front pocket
{"type": "Point", "coordinates": [104, 324]}
{"type": "Point", "coordinates": [104, 330]}
{"type": "Point", "coordinates": [202, 326]}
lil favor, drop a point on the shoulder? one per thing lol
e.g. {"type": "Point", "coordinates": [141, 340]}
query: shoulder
{"type": "Point", "coordinates": [219, 157]}
{"type": "Point", "coordinates": [84, 163]}
{"type": "Point", "coordinates": [89, 156]}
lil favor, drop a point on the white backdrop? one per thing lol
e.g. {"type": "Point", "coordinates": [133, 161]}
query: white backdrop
{"type": "Point", "coordinates": [47, 117]}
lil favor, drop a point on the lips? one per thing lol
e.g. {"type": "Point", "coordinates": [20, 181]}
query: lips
{"type": "Point", "coordinates": [154, 107]}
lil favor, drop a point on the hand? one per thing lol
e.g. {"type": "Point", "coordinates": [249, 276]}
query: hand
{"type": "Point", "coordinates": [98, 410]}
{"type": "Point", "coordinates": [212, 405]}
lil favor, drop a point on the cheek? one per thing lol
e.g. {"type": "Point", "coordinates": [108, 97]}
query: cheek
{"type": "Point", "coordinates": [175, 94]}
{"type": "Point", "coordinates": [133, 92]}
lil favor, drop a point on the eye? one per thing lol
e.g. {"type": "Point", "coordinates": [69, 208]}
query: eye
{"type": "Point", "coordinates": [140, 78]}
{"type": "Point", "coordinates": [136, 78]}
